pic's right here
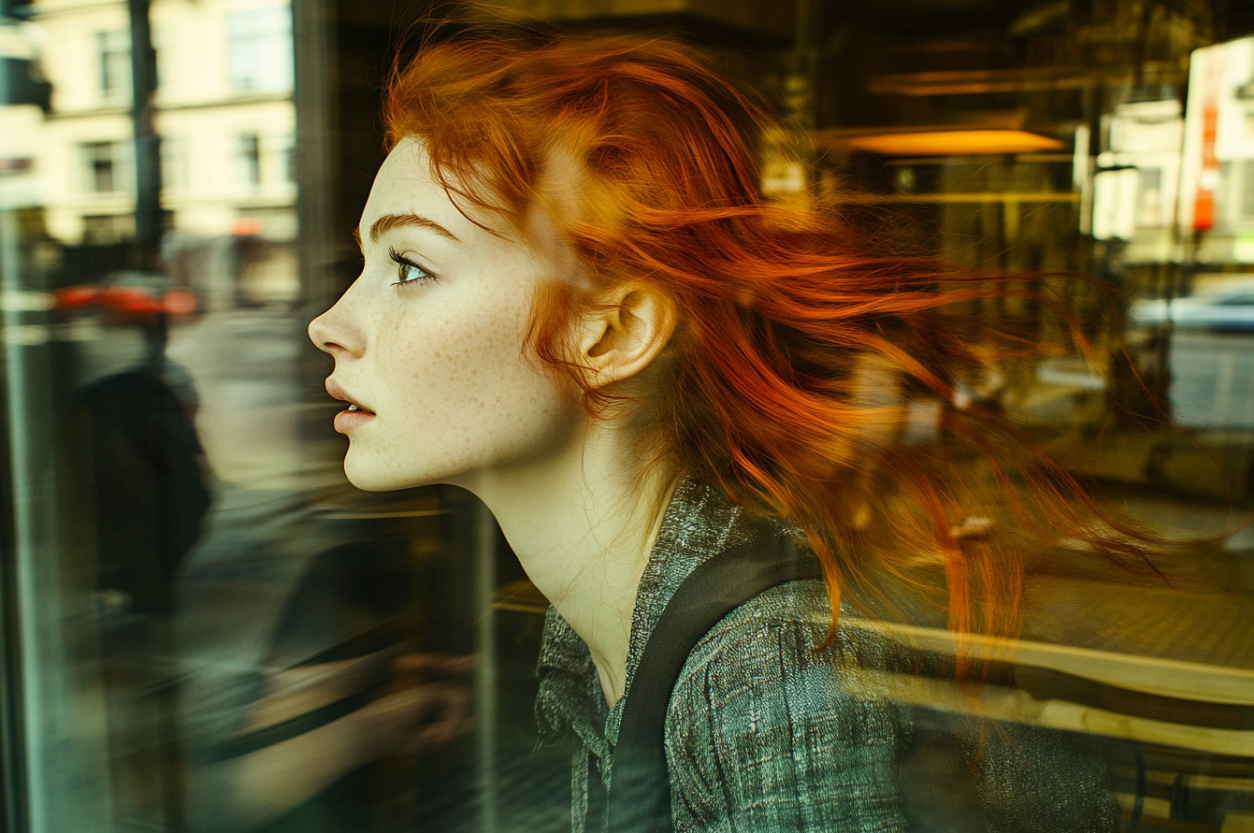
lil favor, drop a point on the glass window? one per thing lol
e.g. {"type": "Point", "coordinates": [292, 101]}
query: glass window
{"type": "Point", "coordinates": [287, 158]}
{"type": "Point", "coordinates": [259, 49]}
{"type": "Point", "coordinates": [205, 627]}
{"type": "Point", "coordinates": [107, 229]}
{"type": "Point", "coordinates": [249, 159]}
{"type": "Point", "coordinates": [103, 163]}
{"type": "Point", "coordinates": [113, 56]}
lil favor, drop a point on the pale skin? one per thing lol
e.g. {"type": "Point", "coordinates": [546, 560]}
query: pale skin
{"type": "Point", "coordinates": [440, 362]}
{"type": "Point", "coordinates": [429, 343]}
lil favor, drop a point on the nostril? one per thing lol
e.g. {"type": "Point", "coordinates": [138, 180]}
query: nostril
{"type": "Point", "coordinates": [337, 330]}
{"type": "Point", "coordinates": [321, 334]}
{"type": "Point", "coordinates": [314, 330]}
{"type": "Point", "coordinates": [330, 336]}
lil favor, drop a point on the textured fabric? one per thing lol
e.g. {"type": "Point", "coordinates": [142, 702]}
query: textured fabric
{"type": "Point", "coordinates": [764, 733]}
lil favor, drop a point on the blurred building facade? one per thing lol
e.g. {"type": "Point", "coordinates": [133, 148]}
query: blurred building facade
{"type": "Point", "coordinates": [226, 118]}
{"type": "Point", "coordinates": [1062, 143]}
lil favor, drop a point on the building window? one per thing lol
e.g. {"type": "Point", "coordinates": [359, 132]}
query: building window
{"type": "Point", "coordinates": [102, 163]}
{"type": "Point", "coordinates": [259, 50]}
{"type": "Point", "coordinates": [250, 161]}
{"type": "Point", "coordinates": [287, 158]}
{"type": "Point", "coordinates": [107, 229]}
{"type": "Point", "coordinates": [113, 52]}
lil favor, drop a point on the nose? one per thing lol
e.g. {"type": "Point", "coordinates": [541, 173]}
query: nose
{"type": "Point", "coordinates": [332, 333]}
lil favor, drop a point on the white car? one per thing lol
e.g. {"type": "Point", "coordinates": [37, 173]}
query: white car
{"type": "Point", "coordinates": [1230, 310]}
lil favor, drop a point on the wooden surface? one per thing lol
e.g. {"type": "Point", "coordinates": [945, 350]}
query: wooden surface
{"type": "Point", "coordinates": [1176, 624]}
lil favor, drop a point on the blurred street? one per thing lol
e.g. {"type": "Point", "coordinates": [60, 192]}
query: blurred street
{"type": "Point", "coordinates": [238, 369]}
{"type": "Point", "coordinates": [244, 366]}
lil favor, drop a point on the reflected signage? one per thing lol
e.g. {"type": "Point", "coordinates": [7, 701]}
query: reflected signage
{"type": "Point", "coordinates": [1217, 177]}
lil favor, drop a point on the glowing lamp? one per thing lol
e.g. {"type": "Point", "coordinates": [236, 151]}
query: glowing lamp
{"type": "Point", "coordinates": [953, 143]}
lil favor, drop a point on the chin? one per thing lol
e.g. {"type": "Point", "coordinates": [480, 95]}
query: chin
{"type": "Point", "coordinates": [370, 478]}
{"type": "Point", "coordinates": [365, 482]}
{"type": "Point", "coordinates": [371, 486]}
{"type": "Point", "coordinates": [370, 475]}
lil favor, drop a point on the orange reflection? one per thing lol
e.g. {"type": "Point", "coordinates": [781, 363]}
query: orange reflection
{"type": "Point", "coordinates": [954, 143]}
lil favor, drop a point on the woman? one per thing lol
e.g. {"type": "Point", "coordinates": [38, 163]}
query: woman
{"type": "Point", "coordinates": [576, 304]}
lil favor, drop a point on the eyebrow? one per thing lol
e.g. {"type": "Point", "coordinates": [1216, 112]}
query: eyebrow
{"type": "Point", "coordinates": [390, 221]}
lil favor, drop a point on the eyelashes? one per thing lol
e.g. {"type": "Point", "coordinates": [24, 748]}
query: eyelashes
{"type": "Point", "coordinates": [408, 272]}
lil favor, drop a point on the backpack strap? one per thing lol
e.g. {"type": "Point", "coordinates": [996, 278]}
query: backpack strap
{"type": "Point", "coordinates": [639, 799]}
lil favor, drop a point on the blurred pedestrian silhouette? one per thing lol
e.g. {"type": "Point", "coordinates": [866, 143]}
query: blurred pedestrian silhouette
{"type": "Point", "coordinates": [150, 489]}
{"type": "Point", "coordinates": [304, 690]}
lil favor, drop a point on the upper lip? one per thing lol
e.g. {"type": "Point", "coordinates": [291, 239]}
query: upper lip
{"type": "Point", "coordinates": [337, 391]}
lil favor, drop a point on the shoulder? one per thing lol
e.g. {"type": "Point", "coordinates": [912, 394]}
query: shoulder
{"type": "Point", "coordinates": [769, 662]}
{"type": "Point", "coordinates": [762, 732]}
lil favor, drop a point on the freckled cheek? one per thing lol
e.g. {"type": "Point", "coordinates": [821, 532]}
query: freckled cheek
{"type": "Point", "coordinates": [459, 371]}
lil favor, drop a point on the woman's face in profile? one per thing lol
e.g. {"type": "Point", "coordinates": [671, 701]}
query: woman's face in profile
{"type": "Point", "coordinates": [428, 342]}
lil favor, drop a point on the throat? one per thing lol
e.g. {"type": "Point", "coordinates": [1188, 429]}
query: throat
{"type": "Point", "coordinates": [584, 539]}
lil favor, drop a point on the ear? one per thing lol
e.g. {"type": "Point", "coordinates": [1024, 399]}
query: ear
{"type": "Point", "coordinates": [623, 331]}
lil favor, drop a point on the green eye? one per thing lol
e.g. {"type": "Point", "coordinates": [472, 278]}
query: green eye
{"type": "Point", "coordinates": [408, 272]}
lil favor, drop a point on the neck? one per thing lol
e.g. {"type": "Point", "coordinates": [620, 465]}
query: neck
{"type": "Point", "coordinates": [582, 522]}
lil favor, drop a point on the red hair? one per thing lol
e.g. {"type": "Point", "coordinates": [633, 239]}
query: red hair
{"type": "Point", "coordinates": [791, 330]}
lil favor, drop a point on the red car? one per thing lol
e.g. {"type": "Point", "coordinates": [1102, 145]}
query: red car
{"type": "Point", "coordinates": [130, 297]}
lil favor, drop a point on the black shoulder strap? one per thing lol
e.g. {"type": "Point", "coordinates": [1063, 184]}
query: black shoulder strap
{"type": "Point", "coordinates": [639, 800]}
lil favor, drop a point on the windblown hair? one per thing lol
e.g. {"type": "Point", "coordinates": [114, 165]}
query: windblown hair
{"type": "Point", "coordinates": [796, 344]}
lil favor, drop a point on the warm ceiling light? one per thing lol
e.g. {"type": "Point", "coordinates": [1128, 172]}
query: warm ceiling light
{"type": "Point", "coordinates": [953, 143]}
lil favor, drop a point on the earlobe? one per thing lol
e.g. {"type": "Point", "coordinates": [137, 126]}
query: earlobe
{"type": "Point", "coordinates": [624, 332]}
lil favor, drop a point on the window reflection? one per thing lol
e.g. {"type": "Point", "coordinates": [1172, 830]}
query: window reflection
{"type": "Point", "coordinates": [191, 556]}
{"type": "Point", "coordinates": [259, 49]}
{"type": "Point", "coordinates": [248, 161]}
{"type": "Point", "coordinates": [103, 165]}
{"type": "Point", "coordinates": [113, 50]}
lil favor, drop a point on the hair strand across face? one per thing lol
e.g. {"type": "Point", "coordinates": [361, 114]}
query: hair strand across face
{"type": "Point", "coordinates": [799, 348]}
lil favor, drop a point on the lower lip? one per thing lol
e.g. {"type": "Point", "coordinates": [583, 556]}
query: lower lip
{"type": "Point", "coordinates": [346, 421]}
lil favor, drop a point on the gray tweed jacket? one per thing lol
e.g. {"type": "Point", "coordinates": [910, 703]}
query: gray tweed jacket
{"type": "Point", "coordinates": [766, 735]}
